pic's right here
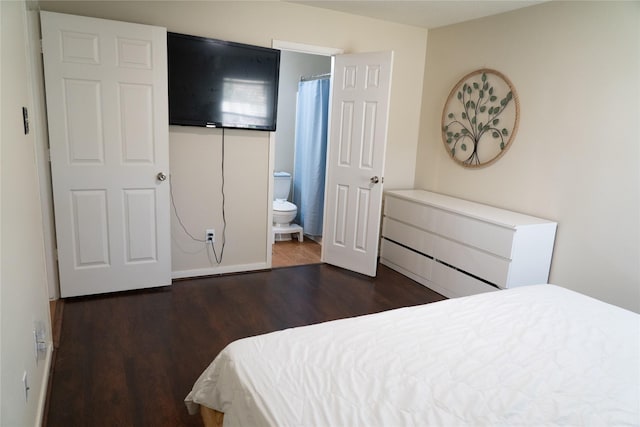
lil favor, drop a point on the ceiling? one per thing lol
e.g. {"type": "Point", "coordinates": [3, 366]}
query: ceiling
{"type": "Point", "coordinates": [421, 13]}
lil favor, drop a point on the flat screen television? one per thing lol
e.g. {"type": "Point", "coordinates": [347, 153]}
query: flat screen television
{"type": "Point", "coordinates": [217, 83]}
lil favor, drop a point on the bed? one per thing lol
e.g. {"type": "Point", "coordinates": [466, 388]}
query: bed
{"type": "Point", "coordinates": [534, 355]}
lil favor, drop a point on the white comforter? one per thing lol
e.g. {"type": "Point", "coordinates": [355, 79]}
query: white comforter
{"type": "Point", "coordinates": [536, 355]}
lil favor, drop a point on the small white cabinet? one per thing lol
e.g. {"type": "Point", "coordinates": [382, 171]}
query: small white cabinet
{"type": "Point", "coordinates": [459, 248]}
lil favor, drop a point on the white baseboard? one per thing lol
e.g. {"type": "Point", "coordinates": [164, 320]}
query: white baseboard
{"type": "Point", "coordinates": [184, 274]}
{"type": "Point", "coordinates": [44, 387]}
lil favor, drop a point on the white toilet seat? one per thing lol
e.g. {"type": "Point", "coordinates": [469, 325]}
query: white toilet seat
{"type": "Point", "coordinates": [284, 206]}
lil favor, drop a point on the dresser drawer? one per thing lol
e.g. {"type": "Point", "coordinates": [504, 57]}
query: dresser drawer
{"type": "Point", "coordinates": [407, 259]}
{"type": "Point", "coordinates": [418, 215]}
{"type": "Point", "coordinates": [480, 234]}
{"type": "Point", "coordinates": [473, 232]}
{"type": "Point", "coordinates": [419, 240]}
{"type": "Point", "coordinates": [452, 283]}
{"type": "Point", "coordinates": [478, 263]}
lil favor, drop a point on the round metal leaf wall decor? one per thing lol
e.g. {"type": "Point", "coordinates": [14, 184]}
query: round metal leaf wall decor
{"type": "Point", "coordinates": [480, 118]}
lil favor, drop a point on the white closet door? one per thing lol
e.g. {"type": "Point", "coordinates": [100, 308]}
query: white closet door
{"type": "Point", "coordinates": [355, 160]}
{"type": "Point", "coordinates": [106, 88]}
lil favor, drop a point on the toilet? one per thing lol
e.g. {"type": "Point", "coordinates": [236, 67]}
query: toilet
{"type": "Point", "coordinates": [283, 211]}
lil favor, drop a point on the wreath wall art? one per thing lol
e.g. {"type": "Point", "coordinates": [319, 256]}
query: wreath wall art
{"type": "Point", "coordinates": [480, 118]}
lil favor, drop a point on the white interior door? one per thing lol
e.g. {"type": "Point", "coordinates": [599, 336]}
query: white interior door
{"type": "Point", "coordinates": [355, 160]}
{"type": "Point", "coordinates": [106, 88]}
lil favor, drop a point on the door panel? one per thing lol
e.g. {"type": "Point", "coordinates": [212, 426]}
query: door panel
{"type": "Point", "coordinates": [355, 160]}
{"type": "Point", "coordinates": [340, 219]}
{"type": "Point", "coordinates": [136, 118]}
{"type": "Point", "coordinates": [79, 47]}
{"type": "Point", "coordinates": [362, 219]}
{"type": "Point", "coordinates": [345, 141]}
{"type": "Point", "coordinates": [106, 87]}
{"type": "Point", "coordinates": [91, 242]}
{"type": "Point", "coordinates": [83, 124]}
{"type": "Point", "coordinates": [368, 135]}
{"type": "Point", "coordinates": [134, 53]}
{"type": "Point", "coordinates": [140, 225]}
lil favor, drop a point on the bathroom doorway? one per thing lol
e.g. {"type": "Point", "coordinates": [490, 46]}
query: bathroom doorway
{"type": "Point", "coordinates": [305, 166]}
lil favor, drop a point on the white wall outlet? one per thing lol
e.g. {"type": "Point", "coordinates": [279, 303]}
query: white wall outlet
{"type": "Point", "coordinates": [40, 340]}
{"type": "Point", "coordinates": [211, 235]}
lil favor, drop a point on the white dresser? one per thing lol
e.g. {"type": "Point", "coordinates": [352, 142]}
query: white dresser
{"type": "Point", "coordinates": [459, 248]}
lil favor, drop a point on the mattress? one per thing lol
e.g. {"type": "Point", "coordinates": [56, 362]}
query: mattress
{"type": "Point", "coordinates": [534, 355]}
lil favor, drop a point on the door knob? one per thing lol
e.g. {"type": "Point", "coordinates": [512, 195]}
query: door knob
{"type": "Point", "coordinates": [375, 180]}
{"type": "Point", "coordinates": [161, 176]}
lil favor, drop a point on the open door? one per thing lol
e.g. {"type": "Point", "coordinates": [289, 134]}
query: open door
{"type": "Point", "coordinates": [106, 89]}
{"type": "Point", "coordinates": [355, 160]}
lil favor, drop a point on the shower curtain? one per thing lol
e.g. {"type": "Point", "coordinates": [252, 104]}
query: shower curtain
{"type": "Point", "coordinates": [311, 153]}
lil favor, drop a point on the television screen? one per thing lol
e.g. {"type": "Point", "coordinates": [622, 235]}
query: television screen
{"type": "Point", "coordinates": [216, 83]}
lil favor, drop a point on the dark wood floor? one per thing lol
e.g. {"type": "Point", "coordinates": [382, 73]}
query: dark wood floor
{"type": "Point", "coordinates": [129, 359]}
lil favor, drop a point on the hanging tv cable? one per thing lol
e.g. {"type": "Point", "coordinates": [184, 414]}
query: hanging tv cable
{"type": "Point", "coordinates": [224, 219]}
{"type": "Point", "coordinates": [218, 260]}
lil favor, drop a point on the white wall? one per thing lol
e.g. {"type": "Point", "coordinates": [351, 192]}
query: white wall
{"type": "Point", "coordinates": [576, 156]}
{"type": "Point", "coordinates": [293, 65]}
{"type": "Point", "coordinates": [23, 292]}
{"type": "Point", "coordinates": [193, 152]}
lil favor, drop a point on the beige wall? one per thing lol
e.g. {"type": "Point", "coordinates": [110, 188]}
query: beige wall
{"type": "Point", "coordinates": [196, 179]}
{"type": "Point", "coordinates": [23, 292]}
{"type": "Point", "coordinates": [195, 185]}
{"type": "Point", "coordinates": [576, 156]}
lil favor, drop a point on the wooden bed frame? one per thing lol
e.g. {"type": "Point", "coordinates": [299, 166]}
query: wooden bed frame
{"type": "Point", "coordinates": [211, 417]}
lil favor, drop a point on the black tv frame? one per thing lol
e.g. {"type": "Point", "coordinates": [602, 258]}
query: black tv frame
{"type": "Point", "coordinates": [199, 65]}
